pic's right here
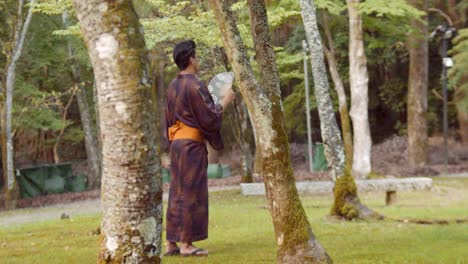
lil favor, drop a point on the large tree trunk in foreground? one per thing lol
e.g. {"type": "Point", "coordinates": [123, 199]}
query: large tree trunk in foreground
{"type": "Point", "coordinates": [131, 185]}
{"type": "Point", "coordinates": [339, 88]}
{"type": "Point", "coordinates": [417, 89]}
{"type": "Point", "coordinates": [346, 201]}
{"type": "Point", "coordinates": [359, 93]}
{"type": "Point", "coordinates": [91, 144]}
{"type": "Point", "coordinates": [295, 239]}
{"type": "Point", "coordinates": [11, 187]}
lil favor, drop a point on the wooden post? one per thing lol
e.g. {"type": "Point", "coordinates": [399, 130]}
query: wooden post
{"type": "Point", "coordinates": [390, 198]}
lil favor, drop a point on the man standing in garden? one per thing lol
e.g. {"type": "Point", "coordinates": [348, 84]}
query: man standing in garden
{"type": "Point", "coordinates": [191, 119]}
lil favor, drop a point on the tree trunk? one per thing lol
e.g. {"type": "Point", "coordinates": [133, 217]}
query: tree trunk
{"type": "Point", "coordinates": [462, 115]}
{"type": "Point", "coordinates": [243, 132]}
{"type": "Point", "coordinates": [64, 126]}
{"type": "Point", "coordinates": [417, 89]}
{"type": "Point", "coordinates": [98, 122]}
{"type": "Point", "coordinates": [92, 151]}
{"type": "Point", "coordinates": [295, 239]}
{"type": "Point", "coordinates": [339, 88]}
{"type": "Point", "coordinates": [131, 184]}
{"type": "Point", "coordinates": [454, 13]}
{"type": "Point", "coordinates": [359, 93]}
{"type": "Point", "coordinates": [346, 201]}
{"type": "Point", "coordinates": [246, 142]}
{"type": "Point", "coordinates": [11, 188]}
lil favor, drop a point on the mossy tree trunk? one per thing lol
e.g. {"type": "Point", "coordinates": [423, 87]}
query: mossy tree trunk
{"type": "Point", "coordinates": [131, 184]}
{"type": "Point", "coordinates": [20, 30]}
{"type": "Point", "coordinates": [93, 153]}
{"type": "Point", "coordinates": [295, 239]}
{"type": "Point", "coordinates": [330, 54]}
{"type": "Point", "coordinates": [359, 93]}
{"type": "Point", "coordinates": [346, 201]}
{"type": "Point", "coordinates": [417, 89]}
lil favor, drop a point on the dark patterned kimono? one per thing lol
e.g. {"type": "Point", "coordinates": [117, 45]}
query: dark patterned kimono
{"type": "Point", "coordinates": [189, 101]}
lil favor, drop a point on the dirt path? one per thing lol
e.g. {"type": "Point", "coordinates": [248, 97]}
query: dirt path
{"type": "Point", "coordinates": [80, 208]}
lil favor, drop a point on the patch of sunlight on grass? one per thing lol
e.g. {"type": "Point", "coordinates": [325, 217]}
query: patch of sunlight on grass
{"type": "Point", "coordinates": [241, 231]}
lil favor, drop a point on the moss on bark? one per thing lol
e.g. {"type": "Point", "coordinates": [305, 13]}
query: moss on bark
{"type": "Point", "coordinates": [345, 187]}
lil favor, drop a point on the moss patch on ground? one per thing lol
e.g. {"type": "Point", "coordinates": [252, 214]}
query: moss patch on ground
{"type": "Point", "coordinates": [241, 231]}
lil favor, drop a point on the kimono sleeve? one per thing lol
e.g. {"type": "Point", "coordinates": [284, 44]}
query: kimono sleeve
{"type": "Point", "coordinates": [207, 114]}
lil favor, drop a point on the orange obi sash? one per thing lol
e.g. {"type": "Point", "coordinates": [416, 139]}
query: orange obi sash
{"type": "Point", "coordinates": [182, 131]}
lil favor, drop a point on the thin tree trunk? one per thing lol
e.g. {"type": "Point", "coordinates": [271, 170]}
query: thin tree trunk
{"type": "Point", "coordinates": [64, 126]}
{"type": "Point", "coordinates": [346, 201]}
{"type": "Point", "coordinates": [454, 14]}
{"type": "Point", "coordinates": [417, 89]}
{"type": "Point", "coordinates": [243, 132]}
{"type": "Point", "coordinates": [359, 93]}
{"type": "Point", "coordinates": [339, 88]}
{"type": "Point", "coordinates": [246, 142]}
{"type": "Point", "coordinates": [132, 184]}
{"type": "Point", "coordinates": [11, 192]}
{"type": "Point", "coordinates": [92, 151]}
{"type": "Point", "coordinates": [98, 122]}
{"type": "Point", "coordinates": [295, 239]}
{"type": "Point", "coordinates": [462, 115]}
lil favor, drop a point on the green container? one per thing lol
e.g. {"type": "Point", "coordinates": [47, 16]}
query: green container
{"type": "Point", "coordinates": [226, 171]}
{"type": "Point", "coordinates": [320, 162]}
{"type": "Point", "coordinates": [54, 184]}
{"type": "Point", "coordinates": [43, 179]}
{"type": "Point", "coordinates": [76, 183]}
{"type": "Point", "coordinates": [215, 171]}
{"type": "Point", "coordinates": [28, 188]}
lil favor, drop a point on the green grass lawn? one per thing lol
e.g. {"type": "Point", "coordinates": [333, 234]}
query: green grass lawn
{"type": "Point", "coordinates": [241, 232]}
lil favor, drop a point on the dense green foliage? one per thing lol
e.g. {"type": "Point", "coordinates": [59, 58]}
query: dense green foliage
{"type": "Point", "coordinates": [44, 82]}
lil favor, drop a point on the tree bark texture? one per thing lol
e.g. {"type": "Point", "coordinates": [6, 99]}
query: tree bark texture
{"type": "Point", "coordinates": [359, 93]}
{"type": "Point", "coordinates": [11, 187]}
{"type": "Point", "coordinates": [295, 239]}
{"type": "Point", "coordinates": [330, 133]}
{"type": "Point", "coordinates": [330, 54]}
{"type": "Point", "coordinates": [346, 201]}
{"type": "Point", "coordinates": [417, 89]}
{"type": "Point", "coordinates": [91, 144]}
{"type": "Point", "coordinates": [131, 184]}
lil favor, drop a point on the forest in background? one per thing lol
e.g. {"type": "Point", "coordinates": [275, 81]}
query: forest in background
{"type": "Point", "coordinates": [53, 74]}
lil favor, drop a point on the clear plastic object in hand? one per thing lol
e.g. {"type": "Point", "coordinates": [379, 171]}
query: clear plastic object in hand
{"type": "Point", "coordinates": [220, 84]}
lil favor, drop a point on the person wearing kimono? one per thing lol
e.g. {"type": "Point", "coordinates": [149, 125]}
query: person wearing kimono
{"type": "Point", "coordinates": [191, 118]}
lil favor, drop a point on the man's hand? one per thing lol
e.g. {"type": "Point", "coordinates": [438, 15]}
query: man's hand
{"type": "Point", "coordinates": [228, 98]}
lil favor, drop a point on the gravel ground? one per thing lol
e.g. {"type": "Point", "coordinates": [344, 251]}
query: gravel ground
{"type": "Point", "coordinates": [68, 210]}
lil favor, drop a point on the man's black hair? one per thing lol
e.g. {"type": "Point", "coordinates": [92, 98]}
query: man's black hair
{"type": "Point", "coordinates": [182, 53]}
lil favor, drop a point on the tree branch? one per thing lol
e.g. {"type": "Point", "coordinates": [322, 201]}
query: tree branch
{"type": "Point", "coordinates": [441, 13]}
{"type": "Point", "coordinates": [19, 45]}
{"type": "Point", "coordinates": [19, 23]}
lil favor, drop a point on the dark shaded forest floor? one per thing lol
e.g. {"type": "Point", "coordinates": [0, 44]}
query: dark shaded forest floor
{"type": "Point", "coordinates": [388, 160]}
